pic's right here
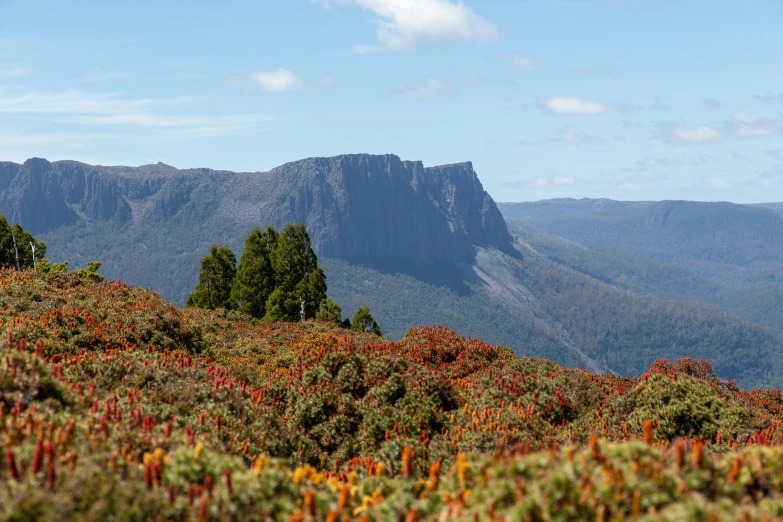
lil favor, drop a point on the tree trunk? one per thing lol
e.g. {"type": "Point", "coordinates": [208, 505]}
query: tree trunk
{"type": "Point", "coordinates": [16, 249]}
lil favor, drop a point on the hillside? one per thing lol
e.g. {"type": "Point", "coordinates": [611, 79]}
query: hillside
{"type": "Point", "coordinates": [114, 404]}
{"type": "Point", "coordinates": [429, 238]}
{"type": "Point", "coordinates": [737, 250]}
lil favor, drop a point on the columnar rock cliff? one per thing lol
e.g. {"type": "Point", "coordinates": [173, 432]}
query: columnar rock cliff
{"type": "Point", "coordinates": [355, 206]}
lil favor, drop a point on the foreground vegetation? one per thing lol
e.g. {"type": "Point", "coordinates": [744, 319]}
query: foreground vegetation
{"type": "Point", "coordinates": [115, 404]}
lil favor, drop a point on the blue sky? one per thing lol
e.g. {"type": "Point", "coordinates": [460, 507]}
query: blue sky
{"type": "Point", "coordinates": [667, 99]}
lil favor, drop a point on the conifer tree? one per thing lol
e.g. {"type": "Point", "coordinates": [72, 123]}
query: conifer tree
{"type": "Point", "coordinates": [255, 279]}
{"type": "Point", "coordinates": [363, 321]}
{"type": "Point", "coordinates": [330, 311]}
{"type": "Point", "coordinates": [300, 282]}
{"type": "Point", "coordinates": [8, 251]}
{"type": "Point", "coordinates": [218, 269]}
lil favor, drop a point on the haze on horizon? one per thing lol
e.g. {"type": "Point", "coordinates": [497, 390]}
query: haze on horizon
{"type": "Point", "coordinates": [633, 100]}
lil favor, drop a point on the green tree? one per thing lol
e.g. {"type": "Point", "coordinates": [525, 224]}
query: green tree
{"type": "Point", "coordinates": [363, 322]}
{"type": "Point", "coordinates": [218, 269]}
{"type": "Point", "coordinates": [91, 272]}
{"type": "Point", "coordinates": [255, 279]}
{"type": "Point", "coordinates": [24, 240]}
{"type": "Point", "coordinates": [330, 311]}
{"type": "Point", "coordinates": [300, 282]}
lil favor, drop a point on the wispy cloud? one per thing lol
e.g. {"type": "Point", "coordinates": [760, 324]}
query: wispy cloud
{"type": "Point", "coordinates": [402, 24]}
{"type": "Point", "coordinates": [769, 99]}
{"type": "Point", "coordinates": [427, 89]}
{"type": "Point", "coordinates": [74, 101]}
{"type": "Point", "coordinates": [14, 71]}
{"type": "Point", "coordinates": [524, 62]}
{"type": "Point", "coordinates": [80, 108]}
{"type": "Point", "coordinates": [777, 154]}
{"type": "Point", "coordinates": [745, 126]}
{"type": "Point", "coordinates": [99, 75]}
{"type": "Point", "coordinates": [280, 80]}
{"type": "Point", "coordinates": [712, 103]}
{"type": "Point", "coordinates": [655, 164]}
{"type": "Point", "coordinates": [598, 69]}
{"type": "Point", "coordinates": [693, 135]}
{"type": "Point", "coordinates": [574, 106]}
{"type": "Point", "coordinates": [740, 126]}
{"type": "Point", "coordinates": [575, 136]}
{"type": "Point", "coordinates": [556, 180]}
{"type": "Point", "coordinates": [717, 183]}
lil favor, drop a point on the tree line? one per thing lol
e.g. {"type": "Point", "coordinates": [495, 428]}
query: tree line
{"type": "Point", "coordinates": [20, 250]}
{"type": "Point", "coordinates": [278, 279]}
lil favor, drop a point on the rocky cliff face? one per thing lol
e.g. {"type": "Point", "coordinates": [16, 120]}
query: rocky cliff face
{"type": "Point", "coordinates": [355, 206]}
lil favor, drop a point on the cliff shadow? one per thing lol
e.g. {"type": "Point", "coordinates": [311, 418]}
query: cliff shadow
{"type": "Point", "coordinates": [457, 277]}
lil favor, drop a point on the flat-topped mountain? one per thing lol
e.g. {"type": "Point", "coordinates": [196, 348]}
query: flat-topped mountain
{"type": "Point", "coordinates": [419, 246]}
{"type": "Point", "coordinates": [364, 206]}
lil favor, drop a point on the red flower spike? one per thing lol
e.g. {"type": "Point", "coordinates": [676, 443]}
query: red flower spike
{"type": "Point", "coordinates": [10, 460]}
{"type": "Point", "coordinates": [37, 457]}
{"type": "Point", "coordinates": [50, 475]}
{"type": "Point", "coordinates": [227, 477]}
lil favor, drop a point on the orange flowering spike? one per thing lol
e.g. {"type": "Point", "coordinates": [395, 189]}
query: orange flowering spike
{"type": "Point", "coordinates": [647, 431]}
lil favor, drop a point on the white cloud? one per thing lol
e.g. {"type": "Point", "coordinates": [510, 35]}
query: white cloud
{"type": "Point", "coordinates": [280, 80]}
{"type": "Point", "coordinates": [717, 183]}
{"type": "Point", "coordinates": [693, 135]}
{"type": "Point", "coordinates": [572, 105]}
{"type": "Point", "coordinates": [80, 108]}
{"type": "Point", "coordinates": [404, 23]}
{"type": "Point", "coordinates": [14, 71]}
{"type": "Point", "coordinates": [656, 164]}
{"type": "Point", "coordinates": [523, 62]}
{"type": "Point", "coordinates": [744, 126]}
{"type": "Point", "coordinates": [564, 180]}
{"type": "Point", "coordinates": [427, 89]}
{"type": "Point", "coordinates": [575, 136]}
{"type": "Point", "coordinates": [74, 101]}
{"type": "Point", "coordinates": [541, 183]}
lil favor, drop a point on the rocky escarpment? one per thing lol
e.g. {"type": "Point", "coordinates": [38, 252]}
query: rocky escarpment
{"type": "Point", "coordinates": [355, 206]}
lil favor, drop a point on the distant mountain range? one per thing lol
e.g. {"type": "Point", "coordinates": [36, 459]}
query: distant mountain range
{"type": "Point", "coordinates": [428, 246]}
{"type": "Point", "coordinates": [726, 254]}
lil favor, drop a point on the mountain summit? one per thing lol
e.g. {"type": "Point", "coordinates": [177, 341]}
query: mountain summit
{"type": "Point", "coordinates": [355, 206]}
{"type": "Point", "coordinates": [419, 246]}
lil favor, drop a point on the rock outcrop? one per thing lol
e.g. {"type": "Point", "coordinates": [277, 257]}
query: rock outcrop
{"type": "Point", "coordinates": [355, 206]}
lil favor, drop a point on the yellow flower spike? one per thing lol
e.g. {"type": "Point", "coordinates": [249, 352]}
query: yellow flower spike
{"type": "Point", "coordinates": [260, 463]}
{"type": "Point", "coordinates": [379, 469]}
{"type": "Point", "coordinates": [353, 478]}
{"type": "Point", "coordinates": [197, 450]}
{"type": "Point", "coordinates": [462, 467]}
{"type": "Point", "coordinates": [147, 458]}
{"type": "Point", "coordinates": [159, 456]}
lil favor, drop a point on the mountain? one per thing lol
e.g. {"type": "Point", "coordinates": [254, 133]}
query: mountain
{"type": "Point", "coordinates": [735, 250]}
{"type": "Point", "coordinates": [420, 246]}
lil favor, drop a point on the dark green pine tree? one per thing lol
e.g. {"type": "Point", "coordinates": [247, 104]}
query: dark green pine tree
{"type": "Point", "coordinates": [300, 282]}
{"type": "Point", "coordinates": [330, 311]}
{"type": "Point", "coordinates": [255, 280]}
{"type": "Point", "coordinates": [218, 269]}
{"type": "Point", "coordinates": [362, 321]}
{"type": "Point", "coordinates": [23, 244]}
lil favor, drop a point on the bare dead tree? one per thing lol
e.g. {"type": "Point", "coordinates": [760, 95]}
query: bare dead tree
{"type": "Point", "coordinates": [16, 249]}
{"type": "Point", "coordinates": [34, 249]}
{"type": "Point", "coordinates": [302, 311]}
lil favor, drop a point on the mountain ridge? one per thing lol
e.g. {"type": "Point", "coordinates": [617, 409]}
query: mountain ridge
{"type": "Point", "coordinates": [421, 246]}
